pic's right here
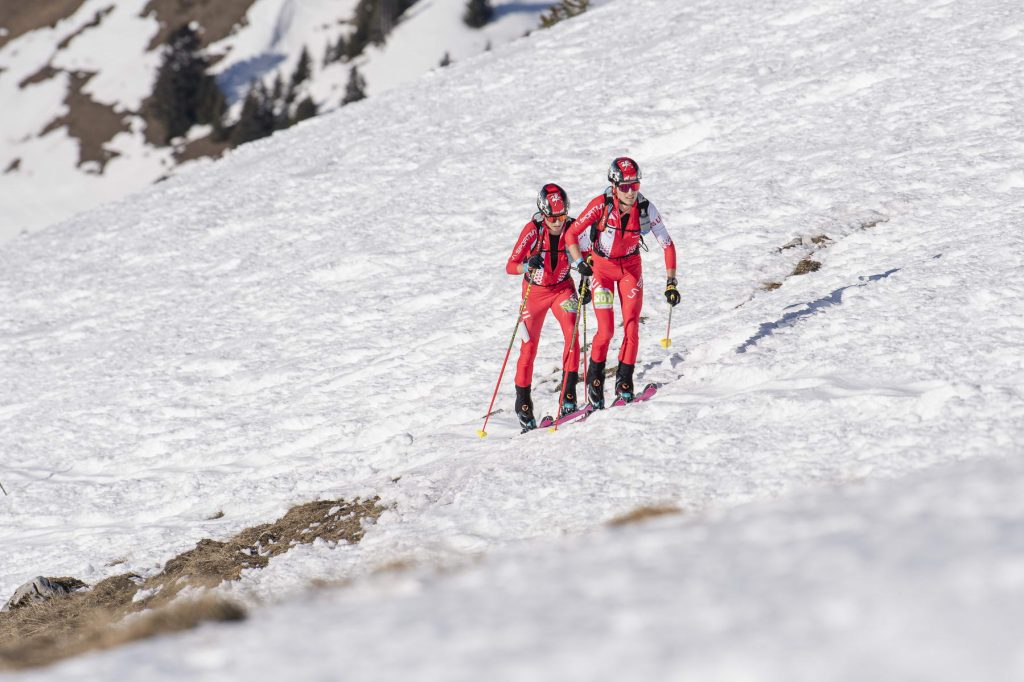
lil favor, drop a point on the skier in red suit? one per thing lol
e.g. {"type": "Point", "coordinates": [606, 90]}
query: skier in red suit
{"type": "Point", "coordinates": [616, 223]}
{"type": "Point", "coordinates": [540, 256]}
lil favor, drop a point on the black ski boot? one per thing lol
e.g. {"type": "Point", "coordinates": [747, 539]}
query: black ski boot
{"type": "Point", "coordinates": [595, 384]}
{"type": "Point", "coordinates": [568, 404]}
{"type": "Point", "coordinates": [624, 382]}
{"type": "Point", "coordinates": [524, 409]}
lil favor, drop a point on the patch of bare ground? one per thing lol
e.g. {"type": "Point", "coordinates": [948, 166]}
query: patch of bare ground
{"type": "Point", "coordinates": [91, 123]}
{"type": "Point", "coordinates": [93, 619]}
{"type": "Point", "coordinates": [19, 18]}
{"type": "Point", "coordinates": [204, 148]}
{"type": "Point", "coordinates": [805, 266]}
{"type": "Point", "coordinates": [644, 513]}
{"type": "Point", "coordinates": [13, 166]}
{"type": "Point", "coordinates": [44, 74]}
{"type": "Point", "coordinates": [217, 17]}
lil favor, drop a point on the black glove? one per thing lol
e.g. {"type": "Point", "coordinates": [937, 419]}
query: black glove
{"type": "Point", "coordinates": [535, 262]}
{"type": "Point", "coordinates": [583, 267]}
{"type": "Point", "coordinates": [585, 295]}
{"type": "Point", "coordinates": [671, 295]}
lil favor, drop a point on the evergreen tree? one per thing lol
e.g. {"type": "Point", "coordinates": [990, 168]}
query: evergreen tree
{"type": "Point", "coordinates": [356, 88]}
{"type": "Point", "coordinates": [340, 49]}
{"type": "Point", "coordinates": [182, 83]}
{"type": "Point", "coordinates": [306, 109]}
{"type": "Point", "coordinates": [257, 118]}
{"type": "Point", "coordinates": [374, 20]}
{"type": "Point", "coordinates": [360, 38]}
{"type": "Point", "coordinates": [478, 13]}
{"type": "Point", "coordinates": [563, 10]}
{"type": "Point", "coordinates": [446, 60]}
{"type": "Point", "coordinates": [302, 72]}
{"type": "Point", "coordinates": [211, 107]}
{"type": "Point", "coordinates": [278, 103]}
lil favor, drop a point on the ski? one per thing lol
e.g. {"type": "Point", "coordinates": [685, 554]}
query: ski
{"type": "Point", "coordinates": [549, 421]}
{"type": "Point", "coordinates": [581, 414]}
{"type": "Point", "coordinates": [646, 394]}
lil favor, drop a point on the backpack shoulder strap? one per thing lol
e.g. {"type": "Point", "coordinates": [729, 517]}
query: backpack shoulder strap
{"type": "Point", "coordinates": [596, 228]}
{"type": "Point", "coordinates": [644, 206]}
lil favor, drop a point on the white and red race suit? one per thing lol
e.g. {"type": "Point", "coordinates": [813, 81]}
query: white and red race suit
{"type": "Point", "coordinates": [552, 289]}
{"type": "Point", "coordinates": [616, 256]}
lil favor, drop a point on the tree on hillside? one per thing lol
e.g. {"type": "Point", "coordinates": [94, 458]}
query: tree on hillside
{"type": "Point", "coordinates": [303, 70]}
{"type": "Point", "coordinates": [374, 20]}
{"type": "Point", "coordinates": [257, 118]}
{"type": "Point", "coordinates": [306, 109]}
{"type": "Point", "coordinates": [184, 94]}
{"type": "Point", "coordinates": [563, 10]}
{"type": "Point", "coordinates": [356, 88]}
{"type": "Point", "coordinates": [478, 13]}
{"type": "Point", "coordinates": [335, 52]}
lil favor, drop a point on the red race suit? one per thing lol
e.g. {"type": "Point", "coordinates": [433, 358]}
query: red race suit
{"type": "Point", "coordinates": [616, 262]}
{"type": "Point", "coordinates": [552, 289]}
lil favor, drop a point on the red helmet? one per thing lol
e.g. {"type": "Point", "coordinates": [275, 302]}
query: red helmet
{"type": "Point", "coordinates": [624, 169]}
{"type": "Point", "coordinates": [552, 200]}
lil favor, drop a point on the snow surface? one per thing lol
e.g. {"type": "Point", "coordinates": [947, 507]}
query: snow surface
{"type": "Point", "coordinates": [323, 314]}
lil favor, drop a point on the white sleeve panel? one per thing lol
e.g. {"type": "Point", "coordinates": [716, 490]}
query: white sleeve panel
{"type": "Point", "coordinates": [658, 226]}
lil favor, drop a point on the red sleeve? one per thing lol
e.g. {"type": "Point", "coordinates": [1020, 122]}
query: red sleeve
{"type": "Point", "coordinates": [524, 245]}
{"type": "Point", "coordinates": [591, 214]}
{"type": "Point", "coordinates": [670, 257]}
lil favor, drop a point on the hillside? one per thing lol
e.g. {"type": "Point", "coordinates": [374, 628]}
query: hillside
{"type": "Point", "coordinates": [77, 77]}
{"type": "Point", "coordinates": [322, 315]}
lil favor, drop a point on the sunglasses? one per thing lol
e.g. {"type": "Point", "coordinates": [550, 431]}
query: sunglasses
{"type": "Point", "coordinates": [556, 218]}
{"type": "Point", "coordinates": [628, 186]}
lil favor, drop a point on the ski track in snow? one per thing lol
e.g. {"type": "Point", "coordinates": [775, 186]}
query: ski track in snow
{"type": "Point", "coordinates": [249, 335]}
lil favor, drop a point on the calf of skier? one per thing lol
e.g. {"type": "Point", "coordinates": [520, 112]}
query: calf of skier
{"type": "Point", "coordinates": [540, 256]}
{"type": "Point", "coordinates": [616, 222]}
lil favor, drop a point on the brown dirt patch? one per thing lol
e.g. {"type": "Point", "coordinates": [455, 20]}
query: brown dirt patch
{"type": "Point", "coordinates": [643, 513]}
{"type": "Point", "coordinates": [59, 629]}
{"type": "Point", "coordinates": [204, 148]}
{"type": "Point", "coordinates": [89, 620]}
{"type": "Point", "coordinates": [91, 123]}
{"type": "Point", "coordinates": [19, 18]}
{"type": "Point", "coordinates": [43, 74]}
{"type": "Point", "coordinates": [771, 286]}
{"type": "Point", "coordinates": [13, 166]}
{"type": "Point", "coordinates": [217, 17]}
{"type": "Point", "coordinates": [805, 266]}
{"type": "Point", "coordinates": [211, 562]}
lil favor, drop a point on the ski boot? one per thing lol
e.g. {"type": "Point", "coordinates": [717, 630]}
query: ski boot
{"type": "Point", "coordinates": [568, 402]}
{"type": "Point", "coordinates": [595, 384]}
{"type": "Point", "coordinates": [524, 409]}
{"type": "Point", "coordinates": [624, 382]}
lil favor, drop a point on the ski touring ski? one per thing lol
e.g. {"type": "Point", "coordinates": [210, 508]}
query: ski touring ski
{"type": "Point", "coordinates": [581, 414]}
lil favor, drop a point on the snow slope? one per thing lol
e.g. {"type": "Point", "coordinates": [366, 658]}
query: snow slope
{"type": "Point", "coordinates": [324, 313]}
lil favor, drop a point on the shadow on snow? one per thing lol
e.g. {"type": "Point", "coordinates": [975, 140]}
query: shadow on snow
{"type": "Point", "coordinates": [835, 298]}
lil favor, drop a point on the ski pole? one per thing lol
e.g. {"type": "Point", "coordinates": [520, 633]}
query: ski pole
{"type": "Point", "coordinates": [519, 318]}
{"type": "Point", "coordinates": [572, 342]}
{"type": "Point", "coordinates": [667, 341]}
{"type": "Point", "coordinates": [2, 488]}
{"type": "Point", "coordinates": [584, 348]}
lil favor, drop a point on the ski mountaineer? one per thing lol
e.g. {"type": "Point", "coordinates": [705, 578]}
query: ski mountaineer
{"type": "Point", "coordinates": [616, 223]}
{"type": "Point", "coordinates": [540, 256]}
